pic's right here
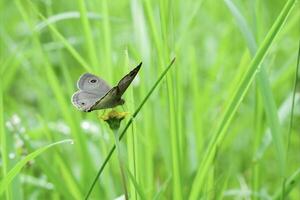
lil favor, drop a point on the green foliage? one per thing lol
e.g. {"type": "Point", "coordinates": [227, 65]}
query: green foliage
{"type": "Point", "coordinates": [222, 123]}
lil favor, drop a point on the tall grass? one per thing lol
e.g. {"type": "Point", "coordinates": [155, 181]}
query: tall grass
{"type": "Point", "coordinates": [223, 123]}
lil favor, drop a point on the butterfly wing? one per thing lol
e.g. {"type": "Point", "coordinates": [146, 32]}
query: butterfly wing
{"type": "Point", "coordinates": [91, 89]}
{"type": "Point", "coordinates": [84, 100]}
{"type": "Point", "coordinates": [126, 80]}
{"type": "Point", "coordinates": [90, 82]}
{"type": "Point", "coordinates": [113, 97]}
{"type": "Point", "coordinates": [110, 100]}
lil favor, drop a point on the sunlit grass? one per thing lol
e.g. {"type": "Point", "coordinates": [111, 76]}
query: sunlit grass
{"type": "Point", "coordinates": [222, 123]}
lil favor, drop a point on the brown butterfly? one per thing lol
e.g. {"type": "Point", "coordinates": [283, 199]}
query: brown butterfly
{"type": "Point", "coordinates": [95, 94]}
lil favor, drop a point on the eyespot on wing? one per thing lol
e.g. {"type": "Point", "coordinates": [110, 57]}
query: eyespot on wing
{"type": "Point", "coordinates": [84, 100]}
{"type": "Point", "coordinates": [91, 82]}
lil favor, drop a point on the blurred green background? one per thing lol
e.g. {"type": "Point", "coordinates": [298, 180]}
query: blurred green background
{"type": "Point", "coordinates": [217, 127]}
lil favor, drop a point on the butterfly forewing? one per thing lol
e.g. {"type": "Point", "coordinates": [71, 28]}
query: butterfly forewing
{"type": "Point", "coordinates": [126, 80]}
{"type": "Point", "coordinates": [95, 94]}
{"type": "Point", "coordinates": [89, 82]}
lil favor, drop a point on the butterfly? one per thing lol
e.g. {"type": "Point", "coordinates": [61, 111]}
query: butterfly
{"type": "Point", "coordinates": [95, 94]}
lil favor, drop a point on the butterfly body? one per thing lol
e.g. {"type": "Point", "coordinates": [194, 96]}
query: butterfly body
{"type": "Point", "coordinates": [95, 94]}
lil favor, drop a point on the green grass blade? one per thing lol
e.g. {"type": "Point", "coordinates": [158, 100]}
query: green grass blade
{"type": "Point", "coordinates": [90, 45]}
{"type": "Point", "coordinates": [127, 126]}
{"type": "Point", "coordinates": [237, 99]}
{"type": "Point", "coordinates": [80, 142]}
{"type": "Point", "coordinates": [64, 41]}
{"type": "Point", "coordinates": [243, 26]}
{"type": "Point", "coordinates": [106, 40]}
{"type": "Point", "coordinates": [287, 185]}
{"type": "Point", "coordinates": [296, 82]}
{"type": "Point", "coordinates": [17, 168]}
{"type": "Point", "coordinates": [69, 182]}
{"type": "Point", "coordinates": [131, 142]}
{"type": "Point", "coordinates": [137, 187]}
{"type": "Point", "coordinates": [272, 117]}
{"type": "Point", "coordinates": [290, 184]}
{"type": "Point", "coordinates": [3, 142]}
{"type": "Point", "coordinates": [163, 189]}
{"type": "Point", "coordinates": [265, 90]}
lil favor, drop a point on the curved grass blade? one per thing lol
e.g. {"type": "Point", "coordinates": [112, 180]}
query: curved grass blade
{"type": "Point", "coordinates": [59, 17]}
{"type": "Point", "coordinates": [17, 168]}
{"type": "Point", "coordinates": [290, 184]}
{"type": "Point", "coordinates": [3, 142]}
{"type": "Point", "coordinates": [296, 82]}
{"type": "Point", "coordinates": [90, 46]}
{"type": "Point", "coordinates": [237, 99]}
{"type": "Point", "coordinates": [286, 187]}
{"type": "Point", "coordinates": [265, 89]}
{"type": "Point", "coordinates": [136, 185]}
{"type": "Point", "coordinates": [65, 42]}
{"type": "Point", "coordinates": [127, 126]}
{"type": "Point", "coordinates": [162, 189]}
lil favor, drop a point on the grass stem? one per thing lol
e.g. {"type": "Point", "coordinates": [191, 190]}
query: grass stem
{"type": "Point", "coordinates": [121, 163]}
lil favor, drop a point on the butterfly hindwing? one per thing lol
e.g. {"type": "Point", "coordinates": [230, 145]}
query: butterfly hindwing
{"type": "Point", "coordinates": [95, 94]}
{"type": "Point", "coordinates": [84, 100]}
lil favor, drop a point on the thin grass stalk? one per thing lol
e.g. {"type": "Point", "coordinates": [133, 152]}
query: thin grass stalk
{"type": "Point", "coordinates": [89, 41]}
{"type": "Point", "coordinates": [80, 146]}
{"type": "Point", "coordinates": [237, 99]}
{"type": "Point", "coordinates": [61, 38]}
{"type": "Point", "coordinates": [291, 118]}
{"type": "Point", "coordinates": [291, 183]}
{"type": "Point", "coordinates": [121, 162]}
{"type": "Point", "coordinates": [3, 139]}
{"type": "Point", "coordinates": [173, 102]}
{"type": "Point", "coordinates": [131, 141]}
{"type": "Point", "coordinates": [107, 40]}
{"type": "Point", "coordinates": [70, 184]}
{"type": "Point", "coordinates": [296, 82]}
{"type": "Point", "coordinates": [51, 173]}
{"type": "Point", "coordinates": [152, 24]}
{"type": "Point", "coordinates": [137, 187]}
{"type": "Point", "coordinates": [258, 116]}
{"type": "Point", "coordinates": [175, 148]}
{"type": "Point", "coordinates": [264, 87]}
{"type": "Point", "coordinates": [127, 126]}
{"type": "Point", "coordinates": [12, 173]}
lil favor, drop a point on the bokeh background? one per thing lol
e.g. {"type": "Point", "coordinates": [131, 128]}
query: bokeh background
{"type": "Point", "coordinates": [219, 125]}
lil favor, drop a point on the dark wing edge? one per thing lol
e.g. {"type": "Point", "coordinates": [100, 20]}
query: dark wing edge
{"type": "Point", "coordinates": [127, 79]}
{"type": "Point", "coordinates": [121, 88]}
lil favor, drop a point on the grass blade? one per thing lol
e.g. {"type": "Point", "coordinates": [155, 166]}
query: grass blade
{"type": "Point", "coordinates": [237, 99]}
{"type": "Point", "coordinates": [17, 168]}
{"type": "Point", "coordinates": [265, 91]}
{"type": "Point", "coordinates": [290, 184]}
{"type": "Point", "coordinates": [91, 49]}
{"type": "Point", "coordinates": [63, 40]}
{"type": "Point", "coordinates": [136, 185]}
{"type": "Point", "coordinates": [3, 142]}
{"type": "Point", "coordinates": [127, 126]}
{"type": "Point", "coordinates": [131, 142]}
